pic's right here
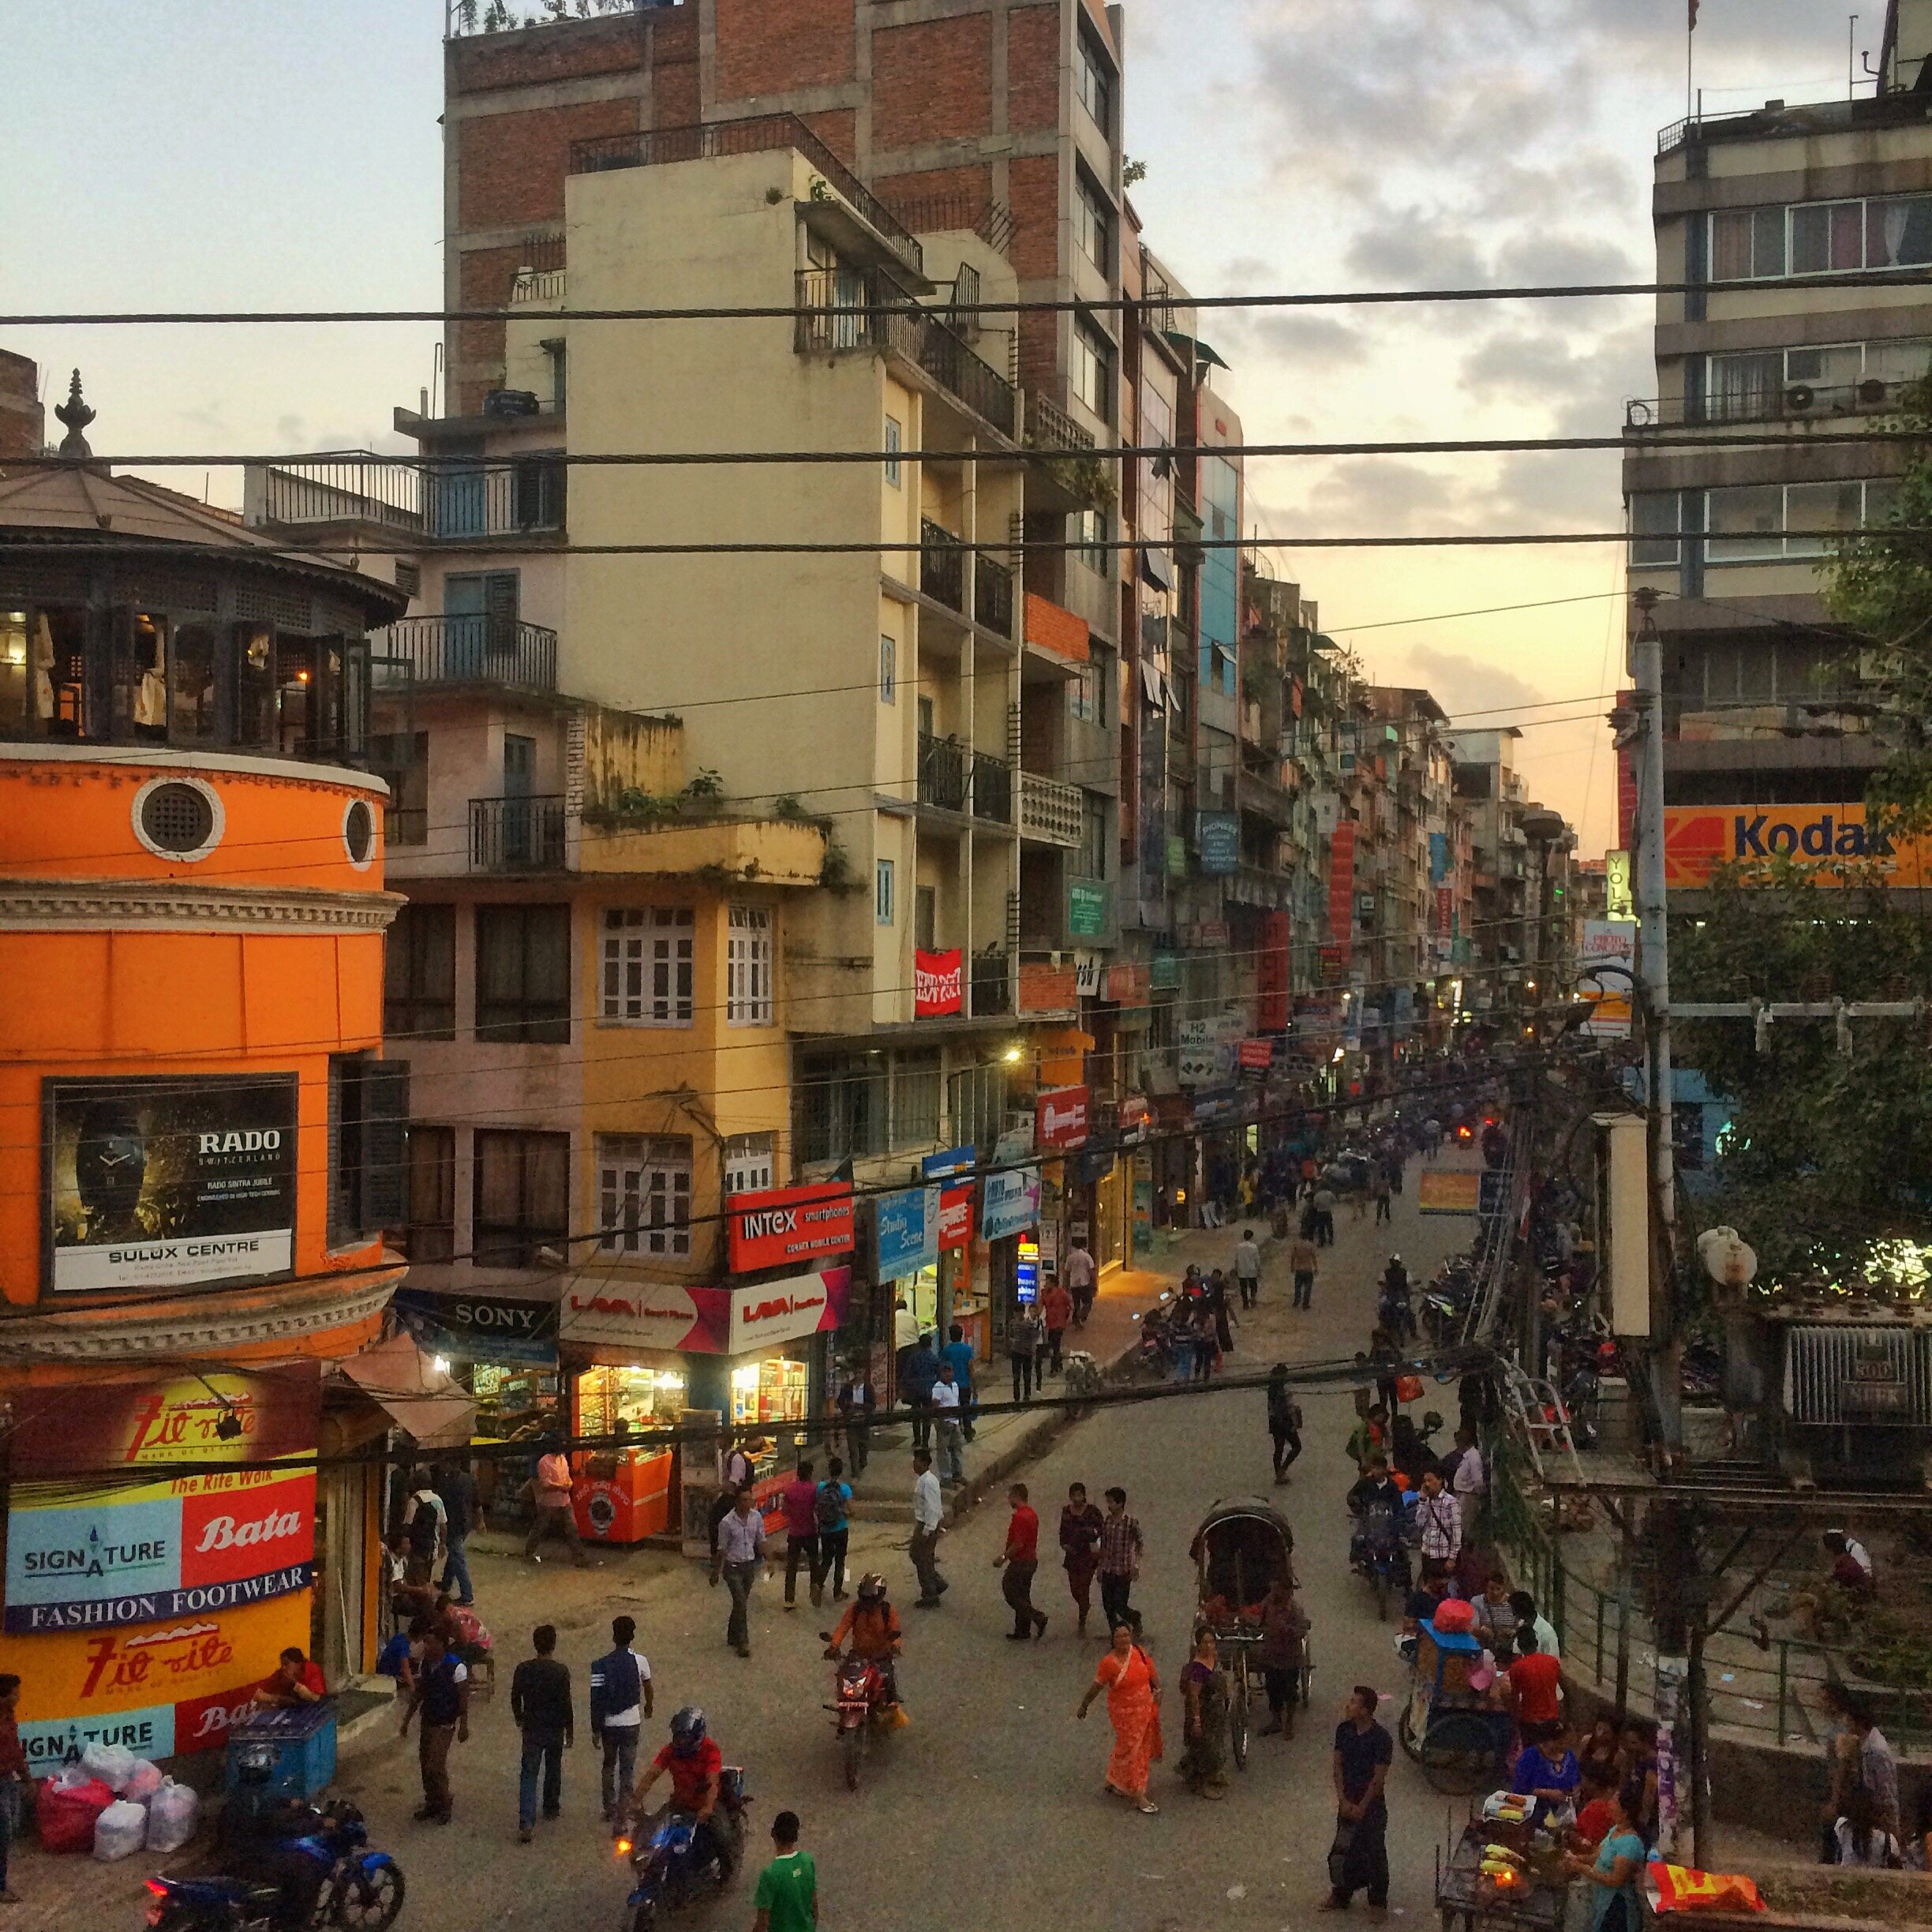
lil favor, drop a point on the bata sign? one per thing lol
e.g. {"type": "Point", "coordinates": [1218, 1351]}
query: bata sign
{"type": "Point", "coordinates": [1832, 842]}
{"type": "Point", "coordinates": [938, 983]}
{"type": "Point", "coordinates": [782, 1310]}
{"type": "Point", "coordinates": [789, 1224]}
{"type": "Point", "coordinates": [1060, 1117]}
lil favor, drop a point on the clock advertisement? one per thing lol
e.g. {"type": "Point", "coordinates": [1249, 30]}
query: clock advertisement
{"type": "Point", "coordinates": [170, 1182]}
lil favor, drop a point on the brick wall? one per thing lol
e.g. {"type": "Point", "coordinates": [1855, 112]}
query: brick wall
{"type": "Point", "coordinates": [21, 432]}
{"type": "Point", "coordinates": [480, 63]}
{"type": "Point", "coordinates": [1032, 67]}
{"type": "Point", "coordinates": [770, 46]}
{"type": "Point", "coordinates": [1033, 190]}
{"type": "Point", "coordinates": [932, 81]}
{"type": "Point", "coordinates": [514, 165]}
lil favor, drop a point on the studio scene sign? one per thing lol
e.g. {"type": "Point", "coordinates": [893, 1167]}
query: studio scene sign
{"type": "Point", "coordinates": [170, 1182]}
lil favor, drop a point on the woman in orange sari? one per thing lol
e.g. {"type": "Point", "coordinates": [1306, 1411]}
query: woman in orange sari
{"type": "Point", "coordinates": [1133, 1686]}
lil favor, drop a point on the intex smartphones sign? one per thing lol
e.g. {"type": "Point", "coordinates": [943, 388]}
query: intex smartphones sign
{"type": "Point", "coordinates": [170, 1181]}
{"type": "Point", "coordinates": [1832, 842]}
{"type": "Point", "coordinates": [784, 1225]}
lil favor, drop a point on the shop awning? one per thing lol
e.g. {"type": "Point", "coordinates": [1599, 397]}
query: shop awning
{"type": "Point", "coordinates": [420, 1399]}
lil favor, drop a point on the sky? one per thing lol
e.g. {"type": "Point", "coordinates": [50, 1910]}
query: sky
{"type": "Point", "coordinates": [208, 154]}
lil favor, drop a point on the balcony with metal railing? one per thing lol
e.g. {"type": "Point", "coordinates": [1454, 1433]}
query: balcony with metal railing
{"type": "Point", "coordinates": [993, 595]}
{"type": "Point", "coordinates": [992, 788]}
{"type": "Point", "coordinates": [753, 134]}
{"type": "Point", "coordinates": [456, 500]}
{"type": "Point", "coordinates": [517, 834]}
{"type": "Point", "coordinates": [1051, 812]}
{"type": "Point", "coordinates": [942, 565]}
{"type": "Point", "coordinates": [943, 764]}
{"type": "Point", "coordinates": [990, 976]}
{"type": "Point", "coordinates": [465, 649]}
{"type": "Point", "coordinates": [1760, 402]}
{"type": "Point", "coordinates": [847, 309]}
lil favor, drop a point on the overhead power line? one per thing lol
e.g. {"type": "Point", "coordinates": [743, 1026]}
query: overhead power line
{"type": "Point", "coordinates": [1171, 307]}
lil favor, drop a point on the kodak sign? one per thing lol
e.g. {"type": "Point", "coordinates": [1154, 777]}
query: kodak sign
{"type": "Point", "coordinates": [1833, 841]}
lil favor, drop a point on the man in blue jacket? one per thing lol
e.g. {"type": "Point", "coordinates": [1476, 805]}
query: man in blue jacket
{"type": "Point", "coordinates": [620, 1701]}
{"type": "Point", "coordinates": [917, 1374]}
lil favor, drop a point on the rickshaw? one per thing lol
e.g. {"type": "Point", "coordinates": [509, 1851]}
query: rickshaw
{"type": "Point", "coordinates": [1244, 1544]}
{"type": "Point", "coordinates": [1447, 1726]}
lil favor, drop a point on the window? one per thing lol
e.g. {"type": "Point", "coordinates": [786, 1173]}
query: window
{"type": "Point", "coordinates": [368, 1112]}
{"type": "Point", "coordinates": [1083, 694]}
{"type": "Point", "coordinates": [430, 1233]}
{"type": "Point", "coordinates": [916, 1086]}
{"type": "Point", "coordinates": [1821, 237]}
{"type": "Point", "coordinates": [644, 1189]}
{"type": "Point", "coordinates": [748, 967]}
{"type": "Point", "coordinates": [895, 441]}
{"type": "Point", "coordinates": [1747, 524]}
{"type": "Point", "coordinates": [1826, 379]}
{"type": "Point", "coordinates": [522, 1198]}
{"type": "Point", "coordinates": [1093, 224]}
{"type": "Point", "coordinates": [889, 671]}
{"type": "Point", "coordinates": [524, 974]}
{"type": "Point", "coordinates": [1653, 529]}
{"type": "Point", "coordinates": [926, 917]}
{"type": "Point", "coordinates": [648, 965]}
{"type": "Point", "coordinates": [1091, 860]}
{"type": "Point", "coordinates": [419, 973]}
{"type": "Point", "coordinates": [1091, 529]}
{"type": "Point", "coordinates": [1092, 377]}
{"type": "Point", "coordinates": [841, 1103]}
{"type": "Point", "coordinates": [480, 610]}
{"type": "Point", "coordinates": [750, 1163]}
{"type": "Point", "coordinates": [882, 913]}
{"type": "Point", "coordinates": [1094, 79]}
{"type": "Point", "coordinates": [401, 759]}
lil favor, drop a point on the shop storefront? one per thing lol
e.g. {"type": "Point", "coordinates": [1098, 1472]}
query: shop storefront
{"type": "Point", "coordinates": [905, 1255]}
{"type": "Point", "coordinates": [1009, 1214]}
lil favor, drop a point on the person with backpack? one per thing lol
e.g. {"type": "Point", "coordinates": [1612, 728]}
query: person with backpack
{"type": "Point", "coordinates": [833, 1502]}
{"type": "Point", "coordinates": [425, 1523]}
{"type": "Point", "coordinates": [620, 1701]}
{"type": "Point", "coordinates": [1284, 1420]}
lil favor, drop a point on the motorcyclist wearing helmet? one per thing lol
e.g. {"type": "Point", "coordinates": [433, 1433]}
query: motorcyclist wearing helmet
{"type": "Point", "coordinates": [870, 1626]}
{"type": "Point", "coordinates": [1376, 1504]}
{"type": "Point", "coordinates": [696, 1767]}
{"type": "Point", "coordinates": [259, 1826]}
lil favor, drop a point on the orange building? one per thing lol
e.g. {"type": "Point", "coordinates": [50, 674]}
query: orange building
{"type": "Point", "coordinates": [200, 1143]}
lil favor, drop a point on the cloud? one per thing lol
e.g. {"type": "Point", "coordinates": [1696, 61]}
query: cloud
{"type": "Point", "coordinates": [1371, 496]}
{"type": "Point", "coordinates": [1300, 339]}
{"type": "Point", "coordinates": [1463, 685]}
{"type": "Point", "coordinates": [1415, 248]}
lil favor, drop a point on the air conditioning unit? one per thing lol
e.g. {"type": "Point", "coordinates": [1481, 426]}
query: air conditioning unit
{"type": "Point", "coordinates": [1872, 393]}
{"type": "Point", "coordinates": [1802, 399]}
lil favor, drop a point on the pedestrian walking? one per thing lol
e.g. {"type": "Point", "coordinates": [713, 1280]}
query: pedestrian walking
{"type": "Point", "coordinates": [442, 1698]}
{"type": "Point", "coordinates": [1121, 1548]}
{"type": "Point", "coordinates": [801, 1521]}
{"type": "Point", "coordinates": [540, 1704]}
{"type": "Point", "coordinates": [1056, 1309]}
{"type": "Point", "coordinates": [1383, 1188]}
{"type": "Point", "coordinates": [1248, 1268]}
{"type": "Point", "coordinates": [948, 1400]}
{"type": "Point", "coordinates": [1439, 1522]}
{"type": "Point", "coordinates": [457, 1487]}
{"type": "Point", "coordinates": [858, 1403]}
{"type": "Point", "coordinates": [928, 1527]}
{"type": "Point", "coordinates": [1081, 1525]}
{"type": "Point", "coordinates": [1204, 1721]}
{"type": "Point", "coordinates": [1284, 1628]}
{"type": "Point", "coordinates": [1304, 1259]}
{"type": "Point", "coordinates": [740, 1550]}
{"type": "Point", "coordinates": [1020, 1561]}
{"type": "Point", "coordinates": [1358, 1859]}
{"type": "Point", "coordinates": [1023, 1341]}
{"type": "Point", "coordinates": [917, 1374]}
{"type": "Point", "coordinates": [14, 1779]}
{"type": "Point", "coordinates": [787, 1897]}
{"type": "Point", "coordinates": [1133, 1693]}
{"type": "Point", "coordinates": [834, 1527]}
{"type": "Point", "coordinates": [555, 1512]}
{"type": "Point", "coordinates": [620, 1701]}
{"type": "Point", "coordinates": [1324, 1215]}
{"type": "Point", "coordinates": [1206, 1340]}
{"type": "Point", "coordinates": [425, 1523]}
{"type": "Point", "coordinates": [1224, 1316]}
{"type": "Point", "coordinates": [959, 1352]}
{"type": "Point", "coordinates": [1082, 1279]}
{"type": "Point", "coordinates": [737, 1471]}
{"type": "Point", "coordinates": [1284, 1420]}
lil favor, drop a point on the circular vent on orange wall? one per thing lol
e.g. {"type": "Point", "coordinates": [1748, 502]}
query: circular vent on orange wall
{"type": "Point", "coordinates": [178, 818]}
{"type": "Point", "coordinates": [359, 833]}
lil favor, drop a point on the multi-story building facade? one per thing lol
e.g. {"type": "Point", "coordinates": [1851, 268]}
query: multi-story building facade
{"type": "Point", "coordinates": [191, 915]}
{"type": "Point", "coordinates": [1761, 213]}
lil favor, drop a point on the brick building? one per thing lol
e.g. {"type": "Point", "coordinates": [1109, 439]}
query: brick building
{"type": "Point", "coordinates": [22, 431]}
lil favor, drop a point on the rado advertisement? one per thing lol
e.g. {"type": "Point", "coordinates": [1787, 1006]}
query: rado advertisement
{"type": "Point", "coordinates": [170, 1182]}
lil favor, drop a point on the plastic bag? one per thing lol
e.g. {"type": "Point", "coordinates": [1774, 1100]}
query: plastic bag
{"type": "Point", "coordinates": [173, 1814]}
{"type": "Point", "coordinates": [121, 1830]}
{"type": "Point", "coordinates": [1683, 1889]}
{"type": "Point", "coordinates": [66, 1813]}
{"type": "Point", "coordinates": [113, 1764]}
{"type": "Point", "coordinates": [145, 1781]}
{"type": "Point", "coordinates": [1455, 1617]}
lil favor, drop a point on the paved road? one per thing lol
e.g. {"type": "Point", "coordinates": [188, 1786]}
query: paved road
{"type": "Point", "coordinates": [987, 1811]}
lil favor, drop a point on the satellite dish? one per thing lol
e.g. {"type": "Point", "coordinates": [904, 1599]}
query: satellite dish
{"type": "Point", "coordinates": [1726, 1258]}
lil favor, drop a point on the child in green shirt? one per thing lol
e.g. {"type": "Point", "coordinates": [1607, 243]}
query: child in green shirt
{"type": "Point", "coordinates": [786, 1899]}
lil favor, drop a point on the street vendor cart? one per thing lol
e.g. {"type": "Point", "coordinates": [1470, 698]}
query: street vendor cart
{"type": "Point", "coordinates": [1497, 1871]}
{"type": "Point", "coordinates": [1448, 1724]}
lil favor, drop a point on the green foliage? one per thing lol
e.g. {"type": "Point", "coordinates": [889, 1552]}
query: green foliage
{"type": "Point", "coordinates": [1824, 1153]}
{"type": "Point", "coordinates": [706, 789]}
{"type": "Point", "coordinates": [1132, 173]}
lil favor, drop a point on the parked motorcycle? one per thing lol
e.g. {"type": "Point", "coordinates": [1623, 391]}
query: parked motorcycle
{"type": "Point", "coordinates": [862, 1703]}
{"type": "Point", "coordinates": [324, 1855]}
{"type": "Point", "coordinates": [671, 1867]}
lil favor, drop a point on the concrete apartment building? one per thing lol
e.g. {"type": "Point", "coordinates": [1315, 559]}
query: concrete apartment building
{"type": "Point", "coordinates": [1765, 707]}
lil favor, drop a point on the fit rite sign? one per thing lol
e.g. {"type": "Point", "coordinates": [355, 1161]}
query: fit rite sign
{"type": "Point", "coordinates": [1834, 842]}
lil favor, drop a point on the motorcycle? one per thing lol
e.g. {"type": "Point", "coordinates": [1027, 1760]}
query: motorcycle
{"type": "Point", "coordinates": [355, 1889]}
{"type": "Point", "coordinates": [863, 1702]}
{"type": "Point", "coordinates": [1375, 1552]}
{"type": "Point", "coordinates": [669, 1870]}
{"type": "Point", "coordinates": [1155, 1354]}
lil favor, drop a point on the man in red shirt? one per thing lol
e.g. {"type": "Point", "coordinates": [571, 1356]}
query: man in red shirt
{"type": "Point", "coordinates": [800, 1501]}
{"type": "Point", "coordinates": [1019, 1559]}
{"type": "Point", "coordinates": [1533, 1681]}
{"type": "Point", "coordinates": [295, 1680]}
{"type": "Point", "coordinates": [696, 1766]}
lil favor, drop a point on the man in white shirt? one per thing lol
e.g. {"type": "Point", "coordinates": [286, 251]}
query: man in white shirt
{"type": "Point", "coordinates": [1524, 1605]}
{"type": "Point", "coordinates": [740, 1549]}
{"type": "Point", "coordinates": [1248, 1268]}
{"type": "Point", "coordinates": [928, 1526]}
{"type": "Point", "coordinates": [1081, 1277]}
{"type": "Point", "coordinates": [1471, 1478]}
{"type": "Point", "coordinates": [945, 1403]}
{"type": "Point", "coordinates": [620, 1699]}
